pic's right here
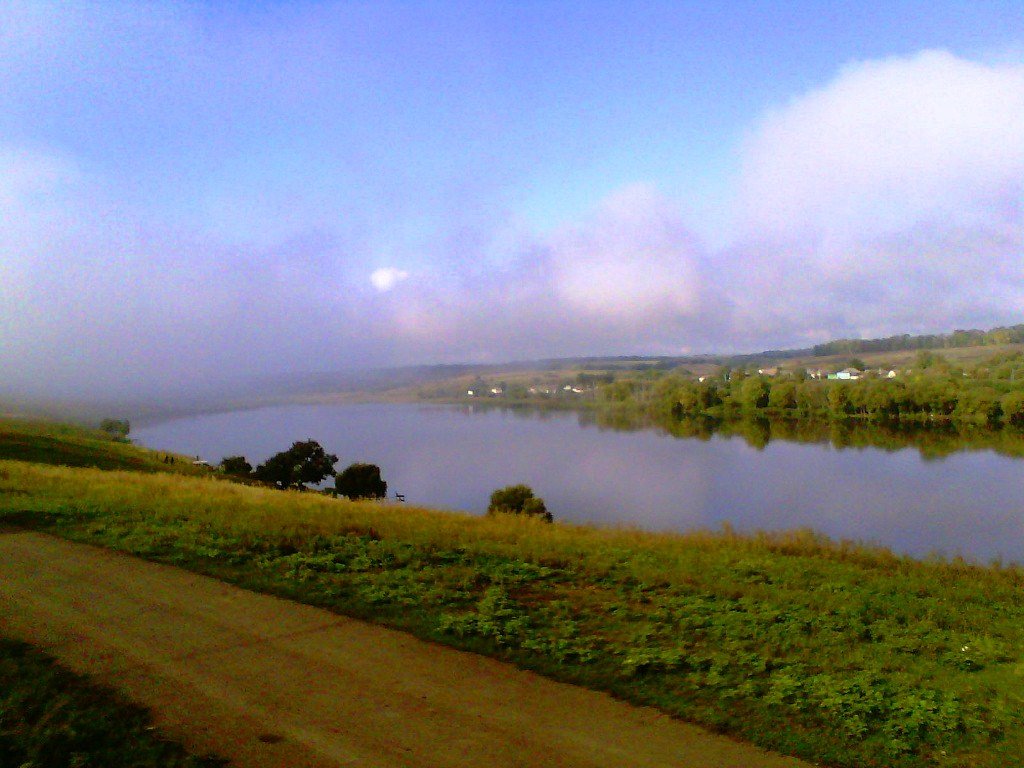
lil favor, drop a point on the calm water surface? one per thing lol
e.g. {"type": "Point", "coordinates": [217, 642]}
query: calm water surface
{"type": "Point", "coordinates": [970, 503]}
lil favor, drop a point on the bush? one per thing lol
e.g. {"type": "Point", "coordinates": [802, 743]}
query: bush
{"type": "Point", "coordinates": [236, 465]}
{"type": "Point", "coordinates": [518, 500]}
{"type": "Point", "coordinates": [118, 429]}
{"type": "Point", "coordinates": [1012, 404]}
{"type": "Point", "coordinates": [361, 481]}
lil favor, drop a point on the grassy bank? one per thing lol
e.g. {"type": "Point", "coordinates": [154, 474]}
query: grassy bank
{"type": "Point", "coordinates": [74, 446]}
{"type": "Point", "coordinates": [842, 654]}
{"type": "Point", "coordinates": [53, 718]}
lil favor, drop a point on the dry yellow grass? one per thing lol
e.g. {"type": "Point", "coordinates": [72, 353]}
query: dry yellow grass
{"type": "Point", "coordinates": [295, 515]}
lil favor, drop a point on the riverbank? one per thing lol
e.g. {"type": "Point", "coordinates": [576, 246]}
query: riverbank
{"type": "Point", "coordinates": [842, 654]}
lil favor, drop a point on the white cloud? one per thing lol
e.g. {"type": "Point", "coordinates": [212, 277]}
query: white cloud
{"type": "Point", "coordinates": [888, 144]}
{"type": "Point", "coordinates": [888, 201]}
{"type": "Point", "coordinates": [630, 261]}
{"type": "Point", "coordinates": [630, 276]}
{"type": "Point", "coordinates": [386, 278]}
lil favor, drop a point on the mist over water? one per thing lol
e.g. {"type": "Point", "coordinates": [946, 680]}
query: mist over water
{"type": "Point", "coordinates": [968, 503]}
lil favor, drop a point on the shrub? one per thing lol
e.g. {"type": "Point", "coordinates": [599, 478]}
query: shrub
{"type": "Point", "coordinates": [518, 500]}
{"type": "Point", "coordinates": [118, 429]}
{"type": "Point", "coordinates": [361, 481]}
{"type": "Point", "coordinates": [235, 465]}
{"type": "Point", "coordinates": [1012, 405]}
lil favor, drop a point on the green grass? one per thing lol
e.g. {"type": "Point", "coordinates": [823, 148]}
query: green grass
{"type": "Point", "coordinates": [53, 718]}
{"type": "Point", "coordinates": [72, 446]}
{"type": "Point", "coordinates": [846, 655]}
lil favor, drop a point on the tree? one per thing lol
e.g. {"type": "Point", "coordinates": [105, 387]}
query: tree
{"type": "Point", "coordinates": [811, 396]}
{"type": "Point", "coordinates": [927, 359]}
{"type": "Point", "coordinates": [782, 395]}
{"type": "Point", "coordinates": [617, 392]}
{"type": "Point", "coordinates": [979, 404]}
{"type": "Point", "coordinates": [839, 398]}
{"type": "Point", "coordinates": [235, 465]}
{"type": "Point", "coordinates": [754, 392]}
{"type": "Point", "coordinates": [518, 500]}
{"type": "Point", "coordinates": [305, 462]}
{"type": "Point", "coordinates": [361, 481]}
{"type": "Point", "coordinates": [1012, 405]}
{"type": "Point", "coordinates": [116, 428]}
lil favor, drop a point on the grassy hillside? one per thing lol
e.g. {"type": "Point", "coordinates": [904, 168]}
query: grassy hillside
{"type": "Point", "coordinates": [75, 446]}
{"type": "Point", "coordinates": [961, 356]}
{"type": "Point", "coordinates": [846, 655]}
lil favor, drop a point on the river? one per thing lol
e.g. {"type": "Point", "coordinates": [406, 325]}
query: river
{"type": "Point", "coordinates": [969, 502]}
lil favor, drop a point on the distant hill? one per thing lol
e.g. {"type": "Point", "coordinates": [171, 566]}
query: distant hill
{"type": "Point", "coordinates": [379, 383]}
{"type": "Point", "coordinates": [1013, 334]}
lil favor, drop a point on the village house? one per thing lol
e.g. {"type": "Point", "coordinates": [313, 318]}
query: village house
{"type": "Point", "coordinates": [847, 374]}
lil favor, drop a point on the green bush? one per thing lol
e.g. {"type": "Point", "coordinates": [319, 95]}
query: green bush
{"type": "Point", "coordinates": [361, 481]}
{"type": "Point", "coordinates": [518, 500]}
{"type": "Point", "coordinates": [236, 466]}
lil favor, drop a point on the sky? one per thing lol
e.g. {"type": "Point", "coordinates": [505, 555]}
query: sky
{"type": "Point", "coordinates": [198, 192]}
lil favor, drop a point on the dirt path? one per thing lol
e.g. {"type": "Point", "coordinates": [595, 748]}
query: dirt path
{"type": "Point", "coordinates": [266, 682]}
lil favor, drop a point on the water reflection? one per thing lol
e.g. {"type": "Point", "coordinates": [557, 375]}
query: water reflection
{"type": "Point", "coordinates": [930, 439]}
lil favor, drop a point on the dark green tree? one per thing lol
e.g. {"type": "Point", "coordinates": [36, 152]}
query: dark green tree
{"type": "Point", "coordinates": [361, 481]}
{"type": "Point", "coordinates": [305, 462]}
{"type": "Point", "coordinates": [518, 500]}
{"type": "Point", "coordinates": [235, 465]}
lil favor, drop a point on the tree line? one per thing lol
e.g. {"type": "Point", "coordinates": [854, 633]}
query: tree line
{"type": "Point", "coordinates": [307, 463]}
{"type": "Point", "coordinates": [992, 393]}
{"type": "Point", "coordinates": [1013, 334]}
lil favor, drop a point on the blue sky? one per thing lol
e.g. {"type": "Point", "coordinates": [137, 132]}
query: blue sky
{"type": "Point", "coordinates": [191, 191]}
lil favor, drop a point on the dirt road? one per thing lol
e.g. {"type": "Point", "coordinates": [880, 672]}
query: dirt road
{"type": "Point", "coordinates": [270, 683]}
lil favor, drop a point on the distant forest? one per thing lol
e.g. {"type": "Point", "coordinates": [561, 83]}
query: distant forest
{"type": "Point", "coordinates": [1013, 334]}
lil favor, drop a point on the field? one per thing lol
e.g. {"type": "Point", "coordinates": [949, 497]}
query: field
{"type": "Point", "coordinates": [962, 356]}
{"type": "Point", "coordinates": [842, 654]}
